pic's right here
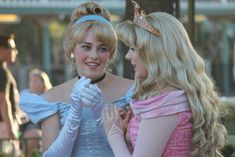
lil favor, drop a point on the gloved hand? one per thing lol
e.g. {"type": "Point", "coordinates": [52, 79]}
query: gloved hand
{"type": "Point", "coordinates": [80, 89]}
{"type": "Point", "coordinates": [63, 145]}
{"type": "Point", "coordinates": [94, 99]}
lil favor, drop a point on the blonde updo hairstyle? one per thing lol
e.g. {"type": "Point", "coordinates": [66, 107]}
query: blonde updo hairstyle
{"type": "Point", "coordinates": [171, 60]}
{"type": "Point", "coordinates": [76, 33]}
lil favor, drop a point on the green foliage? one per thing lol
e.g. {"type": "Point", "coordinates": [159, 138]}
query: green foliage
{"type": "Point", "coordinates": [21, 155]}
{"type": "Point", "coordinates": [228, 150]}
{"type": "Point", "coordinates": [229, 120]}
{"type": "Point", "coordinates": [36, 154]}
{"type": "Point", "coordinates": [2, 154]}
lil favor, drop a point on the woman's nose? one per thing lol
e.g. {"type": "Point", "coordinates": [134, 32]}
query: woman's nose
{"type": "Point", "coordinates": [94, 53]}
{"type": "Point", "coordinates": [128, 55]}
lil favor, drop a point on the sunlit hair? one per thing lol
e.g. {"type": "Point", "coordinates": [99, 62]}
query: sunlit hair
{"type": "Point", "coordinates": [43, 76]}
{"type": "Point", "coordinates": [4, 40]}
{"type": "Point", "coordinates": [76, 33]}
{"type": "Point", "coordinates": [172, 60]}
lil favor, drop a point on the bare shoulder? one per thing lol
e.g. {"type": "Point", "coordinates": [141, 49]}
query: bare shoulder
{"type": "Point", "coordinates": [119, 84]}
{"type": "Point", "coordinates": [114, 87]}
{"type": "Point", "coordinates": [60, 92]}
{"type": "Point", "coordinates": [121, 81]}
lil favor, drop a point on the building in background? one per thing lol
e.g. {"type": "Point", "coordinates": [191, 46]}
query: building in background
{"type": "Point", "coordinates": [39, 26]}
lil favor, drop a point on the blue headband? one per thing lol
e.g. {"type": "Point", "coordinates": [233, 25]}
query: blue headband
{"type": "Point", "coordinates": [93, 18]}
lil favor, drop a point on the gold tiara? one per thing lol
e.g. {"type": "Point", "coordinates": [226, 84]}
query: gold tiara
{"type": "Point", "coordinates": [139, 19]}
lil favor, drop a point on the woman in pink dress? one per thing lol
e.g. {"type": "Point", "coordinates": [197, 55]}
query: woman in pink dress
{"type": "Point", "coordinates": [175, 105]}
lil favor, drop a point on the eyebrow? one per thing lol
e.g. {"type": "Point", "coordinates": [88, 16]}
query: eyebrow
{"type": "Point", "coordinates": [86, 43]}
{"type": "Point", "coordinates": [102, 44]}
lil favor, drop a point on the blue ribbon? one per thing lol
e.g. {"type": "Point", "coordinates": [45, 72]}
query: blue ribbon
{"type": "Point", "coordinates": [93, 18]}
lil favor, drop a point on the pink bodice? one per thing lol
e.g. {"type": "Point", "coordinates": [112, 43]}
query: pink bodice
{"type": "Point", "coordinates": [165, 104]}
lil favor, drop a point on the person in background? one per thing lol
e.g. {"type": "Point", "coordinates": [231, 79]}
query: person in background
{"type": "Point", "coordinates": [9, 95]}
{"type": "Point", "coordinates": [177, 111]}
{"type": "Point", "coordinates": [70, 113]}
{"type": "Point", "coordinates": [38, 83]}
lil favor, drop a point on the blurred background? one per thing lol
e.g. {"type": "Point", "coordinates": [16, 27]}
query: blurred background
{"type": "Point", "coordinates": [39, 26]}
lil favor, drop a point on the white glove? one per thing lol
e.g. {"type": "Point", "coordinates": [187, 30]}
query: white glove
{"type": "Point", "coordinates": [80, 89]}
{"type": "Point", "coordinates": [94, 99]}
{"type": "Point", "coordinates": [63, 145]}
{"type": "Point", "coordinates": [92, 95]}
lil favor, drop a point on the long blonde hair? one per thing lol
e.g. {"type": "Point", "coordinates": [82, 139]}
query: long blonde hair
{"type": "Point", "coordinates": [43, 76]}
{"type": "Point", "coordinates": [172, 60]}
{"type": "Point", "coordinates": [76, 33]}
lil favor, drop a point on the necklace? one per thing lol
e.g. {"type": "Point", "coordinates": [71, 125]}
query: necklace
{"type": "Point", "coordinates": [97, 80]}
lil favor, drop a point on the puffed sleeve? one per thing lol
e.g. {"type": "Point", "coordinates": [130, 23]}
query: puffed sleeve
{"type": "Point", "coordinates": [161, 105]}
{"type": "Point", "coordinates": [36, 106]}
{"type": "Point", "coordinates": [126, 99]}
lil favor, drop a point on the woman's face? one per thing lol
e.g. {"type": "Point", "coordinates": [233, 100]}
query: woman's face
{"type": "Point", "coordinates": [91, 56]}
{"type": "Point", "coordinates": [36, 84]}
{"type": "Point", "coordinates": [139, 68]}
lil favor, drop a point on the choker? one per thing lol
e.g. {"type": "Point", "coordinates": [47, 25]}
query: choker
{"type": "Point", "coordinates": [97, 80]}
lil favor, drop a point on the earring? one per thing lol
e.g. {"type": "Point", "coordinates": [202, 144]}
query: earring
{"type": "Point", "coordinates": [72, 57]}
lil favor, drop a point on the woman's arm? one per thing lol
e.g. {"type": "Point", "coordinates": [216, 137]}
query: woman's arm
{"type": "Point", "coordinates": [50, 131]}
{"type": "Point", "coordinates": [152, 138]}
{"type": "Point", "coordinates": [60, 143]}
{"type": "Point", "coordinates": [153, 135]}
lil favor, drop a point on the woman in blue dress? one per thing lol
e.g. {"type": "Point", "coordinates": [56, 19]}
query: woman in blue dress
{"type": "Point", "coordinates": [70, 112]}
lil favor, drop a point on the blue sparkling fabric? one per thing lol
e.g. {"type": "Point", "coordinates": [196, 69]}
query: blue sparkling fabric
{"type": "Point", "coordinates": [91, 141]}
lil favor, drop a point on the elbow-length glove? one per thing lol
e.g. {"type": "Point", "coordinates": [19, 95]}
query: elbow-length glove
{"type": "Point", "coordinates": [63, 145]}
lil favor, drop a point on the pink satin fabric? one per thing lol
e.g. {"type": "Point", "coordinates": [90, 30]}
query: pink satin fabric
{"type": "Point", "coordinates": [169, 103]}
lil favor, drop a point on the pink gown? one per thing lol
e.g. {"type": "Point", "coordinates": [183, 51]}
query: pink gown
{"type": "Point", "coordinates": [168, 103]}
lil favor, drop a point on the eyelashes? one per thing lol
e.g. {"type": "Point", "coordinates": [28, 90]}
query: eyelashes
{"type": "Point", "coordinates": [101, 49]}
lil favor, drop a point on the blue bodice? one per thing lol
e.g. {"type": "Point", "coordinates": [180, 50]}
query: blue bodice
{"type": "Point", "coordinates": [91, 141]}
